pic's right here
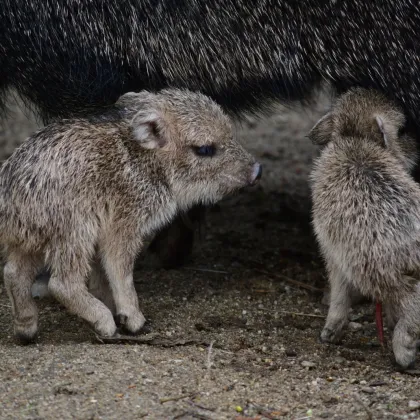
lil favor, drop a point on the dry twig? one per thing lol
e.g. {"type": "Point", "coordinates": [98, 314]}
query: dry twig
{"type": "Point", "coordinates": [179, 397]}
{"type": "Point", "coordinates": [206, 270]}
{"type": "Point", "coordinates": [368, 412]}
{"type": "Point", "coordinates": [209, 355]}
{"type": "Point", "coordinates": [289, 280]}
{"type": "Point", "coordinates": [151, 340]}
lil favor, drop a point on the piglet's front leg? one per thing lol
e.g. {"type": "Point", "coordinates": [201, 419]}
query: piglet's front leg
{"type": "Point", "coordinates": [118, 252]}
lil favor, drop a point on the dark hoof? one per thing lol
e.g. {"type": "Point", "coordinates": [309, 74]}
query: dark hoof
{"type": "Point", "coordinates": [328, 337]}
{"type": "Point", "coordinates": [25, 339]}
{"type": "Point", "coordinates": [120, 320]}
{"type": "Point", "coordinates": [145, 329]}
{"type": "Point", "coordinates": [411, 366]}
{"type": "Point", "coordinates": [321, 340]}
{"type": "Point", "coordinates": [409, 369]}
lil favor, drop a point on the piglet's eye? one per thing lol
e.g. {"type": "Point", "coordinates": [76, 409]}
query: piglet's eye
{"type": "Point", "coordinates": [208, 150]}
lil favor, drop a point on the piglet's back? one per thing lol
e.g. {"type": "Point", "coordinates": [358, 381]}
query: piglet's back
{"type": "Point", "coordinates": [61, 154]}
{"type": "Point", "coordinates": [365, 203]}
{"type": "Point", "coordinates": [51, 170]}
{"type": "Point", "coordinates": [363, 184]}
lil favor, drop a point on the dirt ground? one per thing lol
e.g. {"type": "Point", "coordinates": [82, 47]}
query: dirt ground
{"type": "Point", "coordinates": [235, 331]}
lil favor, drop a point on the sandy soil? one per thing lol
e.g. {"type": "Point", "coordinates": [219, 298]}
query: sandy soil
{"type": "Point", "coordinates": [234, 334]}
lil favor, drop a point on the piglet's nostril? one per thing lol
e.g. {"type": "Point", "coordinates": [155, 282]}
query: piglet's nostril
{"type": "Point", "coordinates": [256, 173]}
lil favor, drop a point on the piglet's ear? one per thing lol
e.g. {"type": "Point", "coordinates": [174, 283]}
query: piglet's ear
{"type": "Point", "coordinates": [127, 99]}
{"type": "Point", "coordinates": [149, 129]}
{"type": "Point", "coordinates": [321, 132]}
{"type": "Point", "coordinates": [145, 118]}
{"type": "Point", "coordinates": [382, 128]}
{"type": "Point", "coordinates": [134, 100]}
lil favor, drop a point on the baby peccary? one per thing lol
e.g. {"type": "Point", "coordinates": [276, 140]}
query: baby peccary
{"type": "Point", "coordinates": [84, 190]}
{"type": "Point", "coordinates": [366, 215]}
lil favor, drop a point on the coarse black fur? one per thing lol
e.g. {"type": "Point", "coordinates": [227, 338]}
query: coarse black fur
{"type": "Point", "coordinates": [70, 57]}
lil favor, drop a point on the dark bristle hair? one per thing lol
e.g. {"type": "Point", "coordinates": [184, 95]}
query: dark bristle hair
{"type": "Point", "coordinates": [246, 55]}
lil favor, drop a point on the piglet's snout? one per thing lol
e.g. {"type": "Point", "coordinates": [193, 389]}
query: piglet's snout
{"type": "Point", "coordinates": [256, 173]}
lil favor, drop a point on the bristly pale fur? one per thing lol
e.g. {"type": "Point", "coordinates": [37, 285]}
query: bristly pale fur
{"type": "Point", "coordinates": [87, 190]}
{"type": "Point", "coordinates": [366, 214]}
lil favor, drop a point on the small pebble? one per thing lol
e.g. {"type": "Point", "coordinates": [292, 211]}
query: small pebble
{"type": "Point", "coordinates": [413, 405]}
{"type": "Point", "coordinates": [355, 326]}
{"type": "Point", "coordinates": [367, 390]}
{"type": "Point", "coordinates": [307, 364]}
{"type": "Point", "coordinates": [290, 353]}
